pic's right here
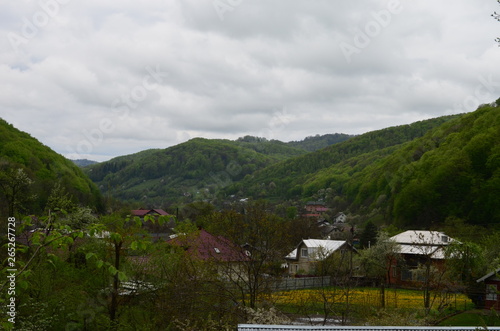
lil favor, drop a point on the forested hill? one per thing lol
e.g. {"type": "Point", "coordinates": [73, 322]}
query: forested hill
{"type": "Point", "coordinates": [314, 143]}
{"type": "Point", "coordinates": [414, 176]}
{"type": "Point", "coordinates": [291, 178]}
{"type": "Point", "coordinates": [192, 170]}
{"type": "Point", "coordinates": [27, 190]}
{"type": "Point", "coordinates": [451, 172]}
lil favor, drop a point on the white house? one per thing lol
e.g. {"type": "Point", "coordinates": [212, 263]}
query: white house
{"type": "Point", "coordinates": [311, 251]}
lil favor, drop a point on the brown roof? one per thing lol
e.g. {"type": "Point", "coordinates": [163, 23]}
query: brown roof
{"type": "Point", "coordinates": [209, 247]}
{"type": "Point", "coordinates": [143, 212]}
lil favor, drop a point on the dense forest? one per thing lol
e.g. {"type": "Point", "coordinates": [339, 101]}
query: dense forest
{"type": "Point", "coordinates": [313, 143]}
{"type": "Point", "coordinates": [189, 171]}
{"type": "Point", "coordinates": [411, 175]}
{"type": "Point", "coordinates": [29, 171]}
{"type": "Point", "coordinates": [290, 177]}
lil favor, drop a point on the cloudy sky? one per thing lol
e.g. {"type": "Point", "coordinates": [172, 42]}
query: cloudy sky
{"type": "Point", "coordinates": [97, 79]}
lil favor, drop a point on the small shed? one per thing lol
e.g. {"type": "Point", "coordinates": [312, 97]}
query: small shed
{"type": "Point", "coordinates": [492, 282]}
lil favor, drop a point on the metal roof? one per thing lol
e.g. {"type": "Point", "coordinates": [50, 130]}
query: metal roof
{"type": "Point", "coordinates": [256, 327]}
{"type": "Point", "coordinates": [319, 248]}
{"type": "Point", "coordinates": [418, 237]}
{"type": "Point", "coordinates": [495, 272]}
{"type": "Point", "coordinates": [435, 252]}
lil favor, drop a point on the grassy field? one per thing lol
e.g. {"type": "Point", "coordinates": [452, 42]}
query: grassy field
{"type": "Point", "coordinates": [473, 318]}
{"type": "Point", "coordinates": [360, 305]}
{"type": "Point", "coordinates": [394, 298]}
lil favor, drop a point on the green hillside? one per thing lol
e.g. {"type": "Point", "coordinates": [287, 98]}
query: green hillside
{"type": "Point", "coordinates": [414, 175]}
{"type": "Point", "coordinates": [43, 168]}
{"type": "Point", "coordinates": [192, 170]}
{"type": "Point", "coordinates": [452, 171]}
{"type": "Point", "coordinates": [298, 178]}
{"type": "Point", "coordinates": [317, 142]}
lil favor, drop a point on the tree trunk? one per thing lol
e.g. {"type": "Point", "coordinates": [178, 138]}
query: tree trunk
{"type": "Point", "coordinates": [116, 282]}
{"type": "Point", "coordinates": [382, 294]}
{"type": "Point", "coordinates": [427, 284]}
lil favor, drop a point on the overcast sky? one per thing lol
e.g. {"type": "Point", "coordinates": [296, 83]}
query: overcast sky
{"type": "Point", "coordinates": [97, 79]}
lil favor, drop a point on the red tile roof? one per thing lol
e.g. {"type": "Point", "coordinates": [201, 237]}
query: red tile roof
{"type": "Point", "coordinates": [209, 247]}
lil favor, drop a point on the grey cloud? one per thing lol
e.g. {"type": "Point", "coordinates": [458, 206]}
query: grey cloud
{"type": "Point", "coordinates": [232, 77]}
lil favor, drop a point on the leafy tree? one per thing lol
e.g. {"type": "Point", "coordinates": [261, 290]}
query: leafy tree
{"type": "Point", "coordinates": [369, 235]}
{"type": "Point", "coordinates": [377, 261]}
{"type": "Point", "coordinates": [59, 199]}
{"type": "Point", "coordinates": [265, 237]}
{"type": "Point", "coordinates": [465, 263]}
{"type": "Point", "coordinates": [339, 267]}
{"type": "Point", "coordinates": [121, 235]}
{"type": "Point", "coordinates": [189, 293]}
{"type": "Point", "coordinates": [39, 257]}
{"type": "Point", "coordinates": [15, 184]}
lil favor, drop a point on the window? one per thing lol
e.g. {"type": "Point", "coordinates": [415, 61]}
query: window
{"type": "Point", "coordinates": [304, 252]}
{"type": "Point", "coordinates": [491, 292]}
{"type": "Point", "coordinates": [394, 271]}
{"type": "Point", "coordinates": [406, 274]}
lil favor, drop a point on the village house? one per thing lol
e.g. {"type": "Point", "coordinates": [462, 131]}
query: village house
{"type": "Point", "coordinates": [492, 283]}
{"type": "Point", "coordinates": [315, 209]}
{"type": "Point", "coordinates": [417, 248]}
{"type": "Point", "coordinates": [309, 252]}
{"type": "Point", "coordinates": [156, 231]}
{"type": "Point", "coordinates": [225, 255]}
{"type": "Point", "coordinates": [143, 212]}
{"type": "Point", "coordinates": [340, 218]}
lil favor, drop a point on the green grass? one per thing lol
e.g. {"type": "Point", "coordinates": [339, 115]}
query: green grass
{"type": "Point", "coordinates": [473, 318]}
{"type": "Point", "coordinates": [365, 302]}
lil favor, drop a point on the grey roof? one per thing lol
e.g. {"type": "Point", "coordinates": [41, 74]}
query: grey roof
{"type": "Point", "coordinates": [418, 242]}
{"type": "Point", "coordinates": [488, 275]}
{"type": "Point", "coordinates": [318, 248]}
{"type": "Point", "coordinates": [418, 237]}
{"type": "Point", "coordinates": [435, 252]}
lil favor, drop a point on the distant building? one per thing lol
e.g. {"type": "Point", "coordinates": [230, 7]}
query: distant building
{"type": "Point", "coordinates": [157, 231]}
{"type": "Point", "coordinates": [226, 257]}
{"type": "Point", "coordinates": [340, 218]}
{"type": "Point", "coordinates": [144, 212]}
{"type": "Point", "coordinates": [208, 247]}
{"type": "Point", "coordinates": [315, 209]}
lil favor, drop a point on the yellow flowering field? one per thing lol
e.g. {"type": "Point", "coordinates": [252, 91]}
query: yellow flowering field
{"type": "Point", "coordinates": [394, 298]}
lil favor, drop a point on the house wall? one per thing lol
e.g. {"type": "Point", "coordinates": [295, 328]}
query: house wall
{"type": "Point", "coordinates": [399, 274]}
{"type": "Point", "coordinates": [304, 264]}
{"type": "Point", "coordinates": [315, 207]}
{"type": "Point", "coordinates": [308, 264]}
{"type": "Point", "coordinates": [492, 300]}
